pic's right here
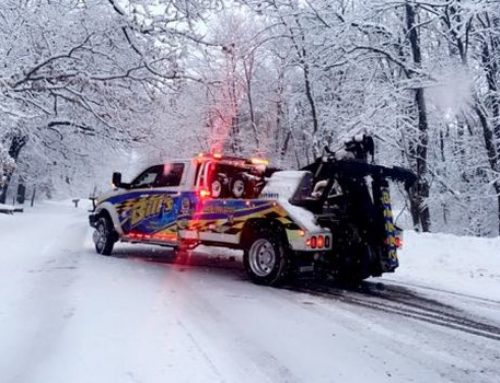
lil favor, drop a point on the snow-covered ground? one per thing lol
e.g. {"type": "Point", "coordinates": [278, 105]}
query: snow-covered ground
{"type": "Point", "coordinates": [70, 315]}
{"type": "Point", "coordinates": [466, 265]}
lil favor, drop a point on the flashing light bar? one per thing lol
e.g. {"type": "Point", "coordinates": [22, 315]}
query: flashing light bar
{"type": "Point", "coordinates": [259, 161]}
{"type": "Point", "coordinates": [218, 156]}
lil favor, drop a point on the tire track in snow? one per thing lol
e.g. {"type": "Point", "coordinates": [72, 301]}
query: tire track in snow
{"type": "Point", "coordinates": [404, 302]}
{"type": "Point", "coordinates": [480, 300]}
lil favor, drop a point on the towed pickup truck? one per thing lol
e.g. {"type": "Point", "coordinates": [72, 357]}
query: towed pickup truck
{"type": "Point", "coordinates": [332, 217]}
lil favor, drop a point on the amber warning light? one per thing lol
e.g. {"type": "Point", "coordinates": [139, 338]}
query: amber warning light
{"type": "Point", "coordinates": [259, 161]}
{"type": "Point", "coordinates": [204, 193]}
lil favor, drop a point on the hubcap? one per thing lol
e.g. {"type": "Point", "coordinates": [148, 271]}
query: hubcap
{"type": "Point", "coordinates": [262, 257]}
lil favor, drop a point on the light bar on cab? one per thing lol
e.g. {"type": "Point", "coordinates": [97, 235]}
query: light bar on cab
{"type": "Point", "coordinates": [259, 161]}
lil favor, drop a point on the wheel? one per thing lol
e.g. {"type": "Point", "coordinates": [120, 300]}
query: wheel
{"type": "Point", "coordinates": [217, 188]}
{"type": "Point", "coordinates": [239, 186]}
{"type": "Point", "coordinates": [264, 258]}
{"type": "Point", "coordinates": [104, 236]}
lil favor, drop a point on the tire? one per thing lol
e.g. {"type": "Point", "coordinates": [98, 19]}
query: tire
{"type": "Point", "coordinates": [265, 259]}
{"type": "Point", "coordinates": [104, 236]}
{"type": "Point", "coordinates": [239, 187]}
{"type": "Point", "coordinates": [217, 188]}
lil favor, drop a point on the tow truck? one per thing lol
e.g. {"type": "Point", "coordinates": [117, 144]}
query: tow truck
{"type": "Point", "coordinates": [333, 217]}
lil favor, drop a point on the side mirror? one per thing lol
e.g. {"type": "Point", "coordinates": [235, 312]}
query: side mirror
{"type": "Point", "coordinates": [117, 180]}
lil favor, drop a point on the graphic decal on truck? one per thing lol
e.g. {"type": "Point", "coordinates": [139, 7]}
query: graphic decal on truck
{"type": "Point", "coordinates": [391, 261]}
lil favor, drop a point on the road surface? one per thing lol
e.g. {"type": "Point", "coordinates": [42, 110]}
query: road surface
{"type": "Point", "coordinates": [70, 315]}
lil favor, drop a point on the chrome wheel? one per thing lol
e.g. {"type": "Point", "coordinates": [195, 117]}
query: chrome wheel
{"type": "Point", "coordinates": [100, 236]}
{"type": "Point", "coordinates": [262, 257]}
{"type": "Point", "coordinates": [104, 236]}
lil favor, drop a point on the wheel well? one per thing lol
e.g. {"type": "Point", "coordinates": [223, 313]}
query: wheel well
{"type": "Point", "coordinates": [105, 214]}
{"type": "Point", "coordinates": [259, 223]}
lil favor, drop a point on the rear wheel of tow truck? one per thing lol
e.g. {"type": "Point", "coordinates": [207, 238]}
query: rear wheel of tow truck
{"type": "Point", "coordinates": [104, 236]}
{"type": "Point", "coordinates": [265, 259]}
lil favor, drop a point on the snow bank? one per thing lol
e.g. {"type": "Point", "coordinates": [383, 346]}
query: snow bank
{"type": "Point", "coordinates": [467, 265]}
{"type": "Point", "coordinates": [6, 207]}
{"type": "Point", "coordinates": [11, 209]}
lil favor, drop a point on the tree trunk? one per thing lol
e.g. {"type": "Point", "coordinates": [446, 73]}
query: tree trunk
{"type": "Point", "coordinates": [422, 188]}
{"type": "Point", "coordinates": [491, 132]}
{"type": "Point", "coordinates": [496, 185]}
{"type": "Point", "coordinates": [303, 59]}
{"type": "Point", "coordinates": [17, 143]}
{"type": "Point", "coordinates": [248, 78]}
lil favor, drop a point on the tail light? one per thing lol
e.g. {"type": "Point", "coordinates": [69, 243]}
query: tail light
{"type": "Point", "coordinates": [318, 242]}
{"type": "Point", "coordinates": [398, 242]}
{"type": "Point", "coordinates": [321, 241]}
{"type": "Point", "coordinates": [398, 237]}
{"type": "Point", "coordinates": [314, 242]}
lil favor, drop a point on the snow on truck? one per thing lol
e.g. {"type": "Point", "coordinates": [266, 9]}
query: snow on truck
{"type": "Point", "coordinates": [332, 217]}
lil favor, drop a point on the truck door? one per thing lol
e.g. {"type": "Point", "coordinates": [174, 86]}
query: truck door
{"type": "Point", "coordinates": [149, 213]}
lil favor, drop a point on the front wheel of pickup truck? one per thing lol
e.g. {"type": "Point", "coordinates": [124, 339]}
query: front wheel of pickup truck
{"type": "Point", "coordinates": [104, 236]}
{"type": "Point", "coordinates": [265, 259]}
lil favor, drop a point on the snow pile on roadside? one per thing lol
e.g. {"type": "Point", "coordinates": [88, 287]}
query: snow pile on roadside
{"type": "Point", "coordinates": [467, 265]}
{"type": "Point", "coordinates": [10, 209]}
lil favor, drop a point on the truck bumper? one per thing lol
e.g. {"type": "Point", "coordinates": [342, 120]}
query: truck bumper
{"type": "Point", "coordinates": [93, 219]}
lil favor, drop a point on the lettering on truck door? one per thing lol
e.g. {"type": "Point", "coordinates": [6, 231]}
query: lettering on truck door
{"type": "Point", "coordinates": [152, 205]}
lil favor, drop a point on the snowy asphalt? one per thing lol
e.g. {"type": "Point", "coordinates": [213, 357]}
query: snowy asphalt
{"type": "Point", "coordinates": [70, 315]}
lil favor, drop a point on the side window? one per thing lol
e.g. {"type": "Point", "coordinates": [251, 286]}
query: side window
{"type": "Point", "coordinates": [148, 177]}
{"type": "Point", "coordinates": [171, 175]}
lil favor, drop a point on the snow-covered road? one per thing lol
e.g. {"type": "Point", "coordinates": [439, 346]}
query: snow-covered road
{"type": "Point", "coordinates": [70, 315]}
